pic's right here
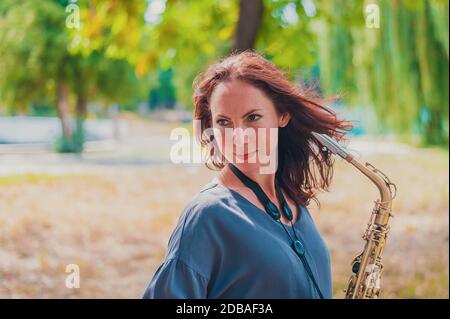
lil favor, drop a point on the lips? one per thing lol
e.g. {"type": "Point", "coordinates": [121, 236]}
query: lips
{"type": "Point", "coordinates": [245, 155]}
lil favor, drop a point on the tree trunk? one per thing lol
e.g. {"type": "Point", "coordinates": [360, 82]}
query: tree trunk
{"type": "Point", "coordinates": [81, 111]}
{"type": "Point", "coordinates": [81, 107]}
{"type": "Point", "coordinates": [63, 108]}
{"type": "Point", "coordinates": [250, 18]}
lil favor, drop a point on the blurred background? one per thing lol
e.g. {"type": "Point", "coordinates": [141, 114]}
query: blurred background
{"type": "Point", "coordinates": [90, 92]}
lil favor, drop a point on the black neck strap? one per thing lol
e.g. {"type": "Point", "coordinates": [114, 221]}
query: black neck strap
{"type": "Point", "coordinates": [273, 211]}
{"type": "Point", "coordinates": [269, 206]}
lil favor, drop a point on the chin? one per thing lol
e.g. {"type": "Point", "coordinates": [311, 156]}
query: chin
{"type": "Point", "coordinates": [245, 164]}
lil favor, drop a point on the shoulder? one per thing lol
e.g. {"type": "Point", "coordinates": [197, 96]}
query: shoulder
{"type": "Point", "coordinates": [206, 206]}
{"type": "Point", "coordinates": [199, 222]}
{"type": "Point", "coordinates": [304, 211]}
{"type": "Point", "coordinates": [197, 239]}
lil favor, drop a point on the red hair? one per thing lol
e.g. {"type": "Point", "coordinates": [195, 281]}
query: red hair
{"type": "Point", "coordinates": [300, 155]}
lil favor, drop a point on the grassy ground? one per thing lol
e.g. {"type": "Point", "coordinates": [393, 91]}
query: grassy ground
{"type": "Point", "coordinates": [115, 225]}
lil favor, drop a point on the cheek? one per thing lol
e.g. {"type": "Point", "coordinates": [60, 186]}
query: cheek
{"type": "Point", "coordinates": [268, 140]}
{"type": "Point", "coordinates": [219, 135]}
{"type": "Point", "coordinates": [272, 140]}
{"type": "Point", "coordinates": [224, 142]}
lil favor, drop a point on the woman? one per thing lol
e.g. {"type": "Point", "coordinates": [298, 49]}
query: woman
{"type": "Point", "coordinates": [248, 233]}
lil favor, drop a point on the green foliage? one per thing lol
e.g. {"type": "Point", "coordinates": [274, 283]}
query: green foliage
{"type": "Point", "coordinates": [32, 51]}
{"type": "Point", "coordinates": [188, 35]}
{"type": "Point", "coordinates": [123, 47]}
{"type": "Point", "coordinates": [164, 94]}
{"type": "Point", "coordinates": [400, 70]}
{"type": "Point", "coordinates": [289, 43]}
{"type": "Point", "coordinates": [37, 53]}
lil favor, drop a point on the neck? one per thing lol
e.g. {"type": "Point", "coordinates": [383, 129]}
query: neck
{"type": "Point", "coordinates": [265, 181]}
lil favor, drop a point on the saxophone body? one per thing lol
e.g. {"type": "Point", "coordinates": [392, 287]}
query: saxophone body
{"type": "Point", "coordinates": [367, 266]}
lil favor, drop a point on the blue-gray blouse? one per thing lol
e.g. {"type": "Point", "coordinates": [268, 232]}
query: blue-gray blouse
{"type": "Point", "coordinates": [224, 246]}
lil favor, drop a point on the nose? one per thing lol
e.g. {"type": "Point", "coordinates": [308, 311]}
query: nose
{"type": "Point", "coordinates": [239, 136]}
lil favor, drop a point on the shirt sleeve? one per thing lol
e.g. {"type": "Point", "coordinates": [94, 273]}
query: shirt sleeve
{"type": "Point", "coordinates": [176, 280]}
{"type": "Point", "coordinates": [194, 248]}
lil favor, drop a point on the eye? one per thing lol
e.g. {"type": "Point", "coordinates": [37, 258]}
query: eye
{"type": "Point", "coordinates": [253, 117]}
{"type": "Point", "coordinates": [222, 122]}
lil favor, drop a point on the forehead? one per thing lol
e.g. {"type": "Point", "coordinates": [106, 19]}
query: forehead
{"type": "Point", "coordinates": [229, 96]}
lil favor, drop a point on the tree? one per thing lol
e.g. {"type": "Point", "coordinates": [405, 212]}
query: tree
{"type": "Point", "coordinates": [399, 70]}
{"type": "Point", "coordinates": [37, 64]}
{"type": "Point", "coordinates": [248, 25]}
{"type": "Point", "coordinates": [187, 35]}
{"type": "Point", "coordinates": [33, 57]}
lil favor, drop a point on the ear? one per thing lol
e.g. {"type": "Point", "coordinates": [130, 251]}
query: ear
{"type": "Point", "coordinates": [284, 120]}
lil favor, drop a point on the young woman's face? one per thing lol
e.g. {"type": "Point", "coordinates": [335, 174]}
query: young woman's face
{"type": "Point", "coordinates": [246, 121]}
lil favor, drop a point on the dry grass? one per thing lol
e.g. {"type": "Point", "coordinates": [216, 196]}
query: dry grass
{"type": "Point", "coordinates": [115, 225]}
{"type": "Point", "coordinates": [416, 255]}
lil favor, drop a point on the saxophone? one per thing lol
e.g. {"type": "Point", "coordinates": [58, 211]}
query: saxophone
{"type": "Point", "coordinates": [367, 266]}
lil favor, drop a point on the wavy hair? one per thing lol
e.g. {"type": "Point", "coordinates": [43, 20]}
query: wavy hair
{"type": "Point", "coordinates": [304, 166]}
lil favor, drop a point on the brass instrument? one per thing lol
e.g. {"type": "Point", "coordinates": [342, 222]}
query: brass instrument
{"type": "Point", "coordinates": [367, 266]}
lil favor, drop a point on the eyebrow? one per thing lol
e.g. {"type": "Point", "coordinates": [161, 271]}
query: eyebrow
{"type": "Point", "coordinates": [249, 112]}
